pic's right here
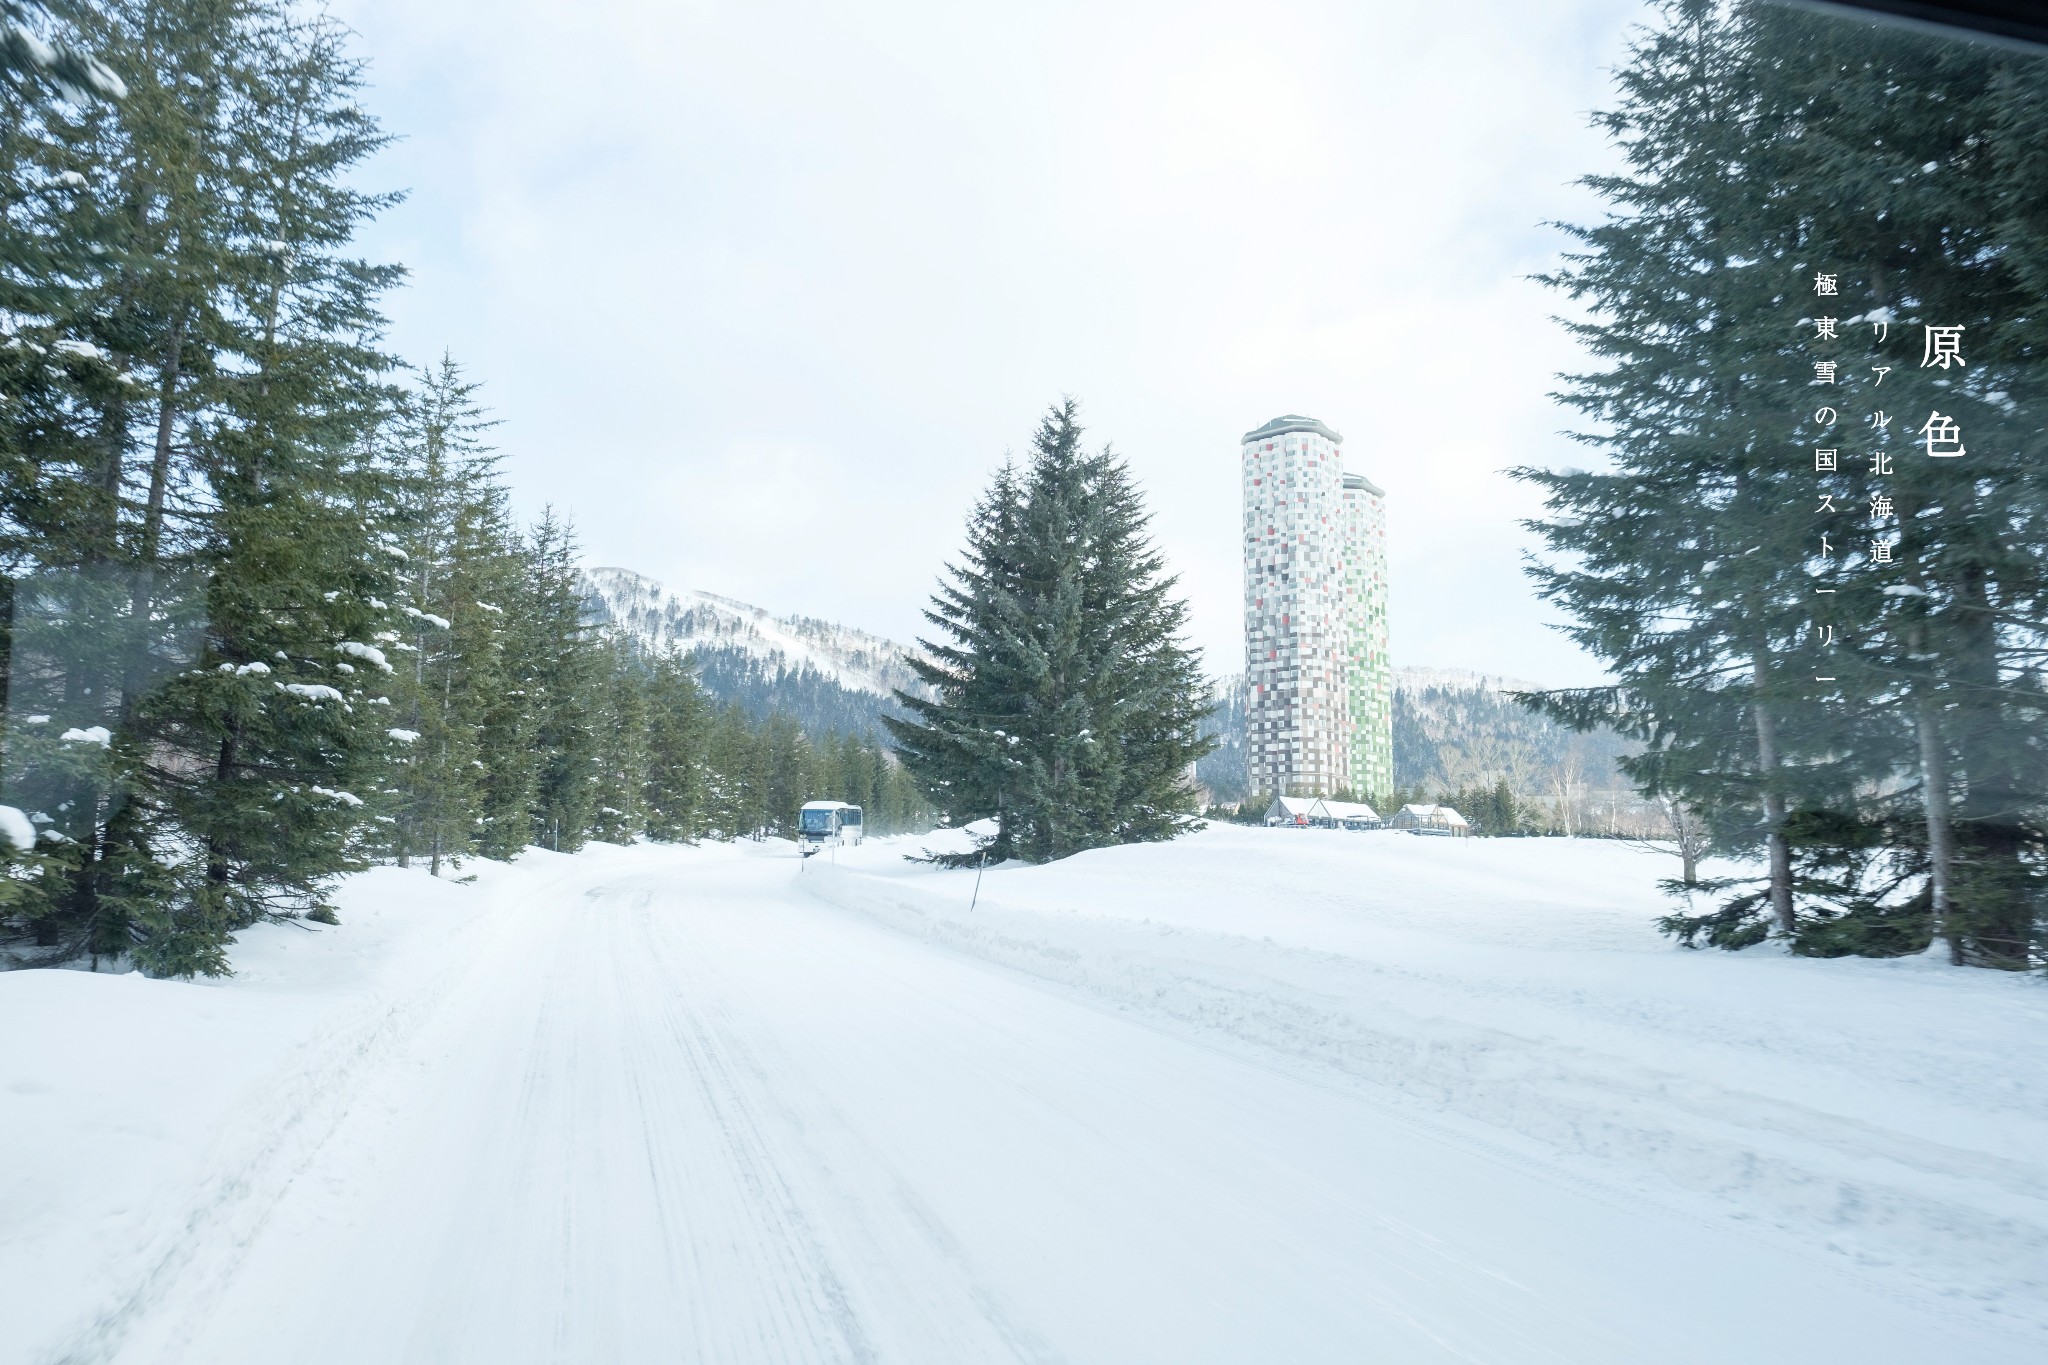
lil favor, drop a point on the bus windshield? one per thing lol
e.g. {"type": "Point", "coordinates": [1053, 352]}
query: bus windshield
{"type": "Point", "coordinates": [817, 821]}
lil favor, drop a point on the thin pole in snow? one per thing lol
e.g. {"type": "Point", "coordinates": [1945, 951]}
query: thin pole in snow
{"type": "Point", "coordinates": [977, 880]}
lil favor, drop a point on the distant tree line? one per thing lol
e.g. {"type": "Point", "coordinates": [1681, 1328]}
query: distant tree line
{"type": "Point", "coordinates": [1828, 631]}
{"type": "Point", "coordinates": [264, 614]}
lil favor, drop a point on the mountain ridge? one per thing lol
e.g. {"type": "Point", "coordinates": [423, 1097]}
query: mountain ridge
{"type": "Point", "coordinates": [830, 679]}
{"type": "Point", "coordinates": [689, 618]}
{"type": "Point", "coordinates": [1453, 727]}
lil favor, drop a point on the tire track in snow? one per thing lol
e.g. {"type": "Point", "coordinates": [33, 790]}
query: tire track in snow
{"type": "Point", "coordinates": [622, 1135]}
{"type": "Point", "coordinates": [192, 1256]}
{"type": "Point", "coordinates": [1776, 1167]}
{"type": "Point", "coordinates": [806, 1163]}
{"type": "Point", "coordinates": [757, 1201]}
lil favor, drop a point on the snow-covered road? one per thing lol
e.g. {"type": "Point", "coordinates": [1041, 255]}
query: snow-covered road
{"type": "Point", "coordinates": [670, 1105]}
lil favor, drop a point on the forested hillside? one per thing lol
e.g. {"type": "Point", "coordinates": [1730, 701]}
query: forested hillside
{"type": "Point", "coordinates": [1457, 732]}
{"type": "Point", "coordinates": [830, 679]}
{"type": "Point", "coordinates": [1454, 729]}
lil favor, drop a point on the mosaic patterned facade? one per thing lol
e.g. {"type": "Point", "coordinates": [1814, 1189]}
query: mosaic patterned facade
{"type": "Point", "coordinates": [1319, 689]}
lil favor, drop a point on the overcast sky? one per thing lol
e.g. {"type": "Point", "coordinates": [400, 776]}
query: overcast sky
{"type": "Point", "coordinates": [763, 291]}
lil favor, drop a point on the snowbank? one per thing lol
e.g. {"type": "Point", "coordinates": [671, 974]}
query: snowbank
{"type": "Point", "coordinates": [1893, 1113]}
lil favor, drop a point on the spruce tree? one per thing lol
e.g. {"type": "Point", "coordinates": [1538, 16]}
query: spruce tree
{"type": "Point", "coordinates": [562, 675]}
{"type": "Point", "coordinates": [293, 573]}
{"type": "Point", "coordinates": [735, 801]}
{"type": "Point", "coordinates": [1692, 563]}
{"type": "Point", "coordinates": [1066, 705]}
{"type": "Point", "coordinates": [622, 757]}
{"type": "Point", "coordinates": [788, 774]}
{"type": "Point", "coordinates": [673, 792]}
{"type": "Point", "coordinates": [1883, 731]}
{"type": "Point", "coordinates": [1913, 169]}
{"type": "Point", "coordinates": [186, 478]}
{"type": "Point", "coordinates": [113, 238]}
{"type": "Point", "coordinates": [448, 644]}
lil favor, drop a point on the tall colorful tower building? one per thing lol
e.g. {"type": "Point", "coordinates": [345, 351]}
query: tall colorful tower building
{"type": "Point", "coordinates": [1320, 716]}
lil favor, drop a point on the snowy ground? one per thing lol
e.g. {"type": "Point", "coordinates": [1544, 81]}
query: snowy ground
{"type": "Point", "coordinates": [1253, 1096]}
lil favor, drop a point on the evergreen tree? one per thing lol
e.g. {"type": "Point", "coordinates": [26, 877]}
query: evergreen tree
{"type": "Point", "coordinates": [1692, 558]}
{"type": "Point", "coordinates": [111, 228]}
{"type": "Point", "coordinates": [561, 674]}
{"type": "Point", "coordinates": [677, 740]}
{"type": "Point", "coordinates": [1913, 169]}
{"type": "Point", "coordinates": [450, 538]}
{"type": "Point", "coordinates": [184, 482]}
{"type": "Point", "coordinates": [733, 799]}
{"type": "Point", "coordinates": [506, 724]}
{"type": "Point", "coordinates": [263, 614]}
{"type": "Point", "coordinates": [1879, 731]}
{"type": "Point", "coordinates": [1066, 705]}
{"type": "Point", "coordinates": [291, 569]}
{"type": "Point", "coordinates": [622, 759]}
{"type": "Point", "coordinates": [789, 774]}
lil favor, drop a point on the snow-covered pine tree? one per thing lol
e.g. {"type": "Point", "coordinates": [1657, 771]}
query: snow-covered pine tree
{"type": "Point", "coordinates": [734, 804]}
{"type": "Point", "coordinates": [495, 704]}
{"type": "Point", "coordinates": [39, 56]}
{"type": "Point", "coordinates": [259, 751]}
{"type": "Point", "coordinates": [506, 742]}
{"type": "Point", "coordinates": [506, 713]}
{"type": "Point", "coordinates": [855, 768]}
{"type": "Point", "coordinates": [959, 742]}
{"type": "Point", "coordinates": [112, 237]}
{"type": "Point", "coordinates": [1066, 704]}
{"type": "Point", "coordinates": [447, 645]}
{"type": "Point", "coordinates": [186, 480]}
{"type": "Point", "coordinates": [790, 773]}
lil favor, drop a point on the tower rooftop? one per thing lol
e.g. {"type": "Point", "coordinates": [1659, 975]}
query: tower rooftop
{"type": "Point", "coordinates": [1291, 422]}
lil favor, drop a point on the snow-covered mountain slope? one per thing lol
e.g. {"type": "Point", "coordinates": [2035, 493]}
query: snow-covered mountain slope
{"type": "Point", "coordinates": [1452, 727]}
{"type": "Point", "coordinates": [682, 618]}
{"type": "Point", "coordinates": [1458, 680]}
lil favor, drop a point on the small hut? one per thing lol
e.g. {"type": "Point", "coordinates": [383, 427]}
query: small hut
{"type": "Point", "coordinates": [1319, 812]}
{"type": "Point", "coordinates": [1353, 815]}
{"type": "Point", "coordinates": [1430, 820]}
{"type": "Point", "coordinates": [1295, 812]}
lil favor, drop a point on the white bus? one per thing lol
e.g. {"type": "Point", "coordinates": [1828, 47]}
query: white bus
{"type": "Point", "coordinates": [827, 824]}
